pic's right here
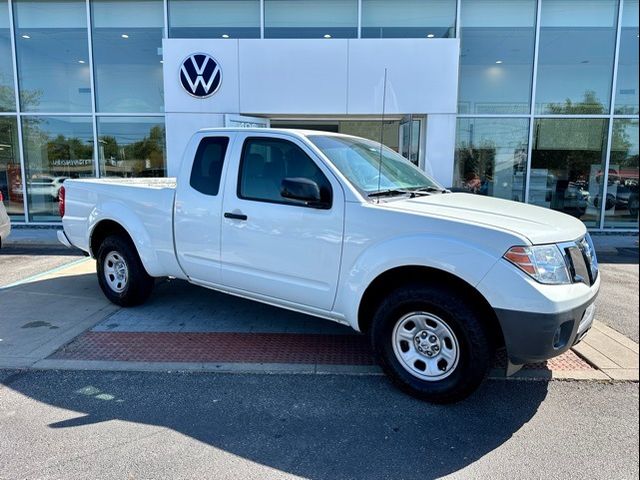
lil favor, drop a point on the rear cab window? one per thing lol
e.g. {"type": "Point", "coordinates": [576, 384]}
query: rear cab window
{"type": "Point", "coordinates": [207, 165]}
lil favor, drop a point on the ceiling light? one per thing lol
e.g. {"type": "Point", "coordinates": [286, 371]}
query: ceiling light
{"type": "Point", "coordinates": [80, 61]}
{"type": "Point", "coordinates": [498, 62]}
{"type": "Point", "coordinates": [26, 36]}
{"type": "Point", "coordinates": [124, 35]}
{"type": "Point", "coordinates": [327, 36]}
{"type": "Point", "coordinates": [431, 35]}
{"type": "Point", "coordinates": [161, 61]}
{"type": "Point", "coordinates": [224, 35]}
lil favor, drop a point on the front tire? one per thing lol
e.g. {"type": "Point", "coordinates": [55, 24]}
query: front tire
{"type": "Point", "coordinates": [431, 343]}
{"type": "Point", "coordinates": [121, 275]}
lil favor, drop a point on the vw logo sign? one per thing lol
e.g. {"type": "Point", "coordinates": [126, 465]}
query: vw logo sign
{"type": "Point", "coordinates": [200, 75]}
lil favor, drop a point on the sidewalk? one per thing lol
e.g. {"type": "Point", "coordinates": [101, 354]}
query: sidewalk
{"type": "Point", "coordinates": [61, 320]}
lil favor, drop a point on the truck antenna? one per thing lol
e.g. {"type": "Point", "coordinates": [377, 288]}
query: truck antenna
{"type": "Point", "coordinates": [384, 103]}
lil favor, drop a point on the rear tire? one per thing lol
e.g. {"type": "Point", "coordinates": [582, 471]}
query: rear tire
{"type": "Point", "coordinates": [121, 275]}
{"type": "Point", "coordinates": [431, 343]}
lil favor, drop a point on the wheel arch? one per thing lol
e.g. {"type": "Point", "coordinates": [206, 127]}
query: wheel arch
{"type": "Point", "coordinates": [393, 278]}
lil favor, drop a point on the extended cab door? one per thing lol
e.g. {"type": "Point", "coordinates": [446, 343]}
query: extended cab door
{"type": "Point", "coordinates": [273, 246]}
{"type": "Point", "coordinates": [198, 207]}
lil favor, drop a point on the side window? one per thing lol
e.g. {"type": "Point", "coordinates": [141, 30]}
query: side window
{"type": "Point", "coordinates": [266, 162]}
{"type": "Point", "coordinates": [207, 165]}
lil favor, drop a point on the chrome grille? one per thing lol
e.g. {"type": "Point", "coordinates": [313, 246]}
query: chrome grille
{"type": "Point", "coordinates": [581, 260]}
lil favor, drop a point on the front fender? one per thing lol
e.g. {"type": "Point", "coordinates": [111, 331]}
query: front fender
{"type": "Point", "coordinates": [461, 259]}
{"type": "Point", "coordinates": [119, 213]}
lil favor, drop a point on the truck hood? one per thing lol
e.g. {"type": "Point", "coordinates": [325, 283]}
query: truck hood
{"type": "Point", "coordinates": [538, 225]}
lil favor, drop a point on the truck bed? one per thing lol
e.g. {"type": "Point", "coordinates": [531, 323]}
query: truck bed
{"type": "Point", "coordinates": [145, 205]}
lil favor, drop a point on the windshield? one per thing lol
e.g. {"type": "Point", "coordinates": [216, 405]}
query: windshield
{"type": "Point", "coordinates": [359, 161]}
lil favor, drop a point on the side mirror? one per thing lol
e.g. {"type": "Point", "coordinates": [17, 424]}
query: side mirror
{"type": "Point", "coordinates": [302, 189]}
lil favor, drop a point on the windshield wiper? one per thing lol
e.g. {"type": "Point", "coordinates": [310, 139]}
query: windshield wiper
{"type": "Point", "coordinates": [390, 192]}
{"type": "Point", "coordinates": [431, 189]}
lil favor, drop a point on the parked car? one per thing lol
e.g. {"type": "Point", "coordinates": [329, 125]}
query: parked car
{"type": "Point", "coordinates": [336, 227]}
{"type": "Point", "coordinates": [46, 185]}
{"type": "Point", "coordinates": [5, 222]}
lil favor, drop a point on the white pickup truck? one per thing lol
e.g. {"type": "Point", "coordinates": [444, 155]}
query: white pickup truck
{"type": "Point", "coordinates": [334, 226]}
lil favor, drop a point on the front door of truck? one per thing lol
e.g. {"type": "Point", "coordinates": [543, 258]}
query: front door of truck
{"type": "Point", "coordinates": [198, 208]}
{"type": "Point", "coordinates": [273, 246]}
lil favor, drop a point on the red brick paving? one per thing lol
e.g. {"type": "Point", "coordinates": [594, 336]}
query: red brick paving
{"type": "Point", "coordinates": [323, 349]}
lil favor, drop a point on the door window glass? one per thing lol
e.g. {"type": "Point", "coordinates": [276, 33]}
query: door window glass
{"type": "Point", "coordinates": [207, 165]}
{"type": "Point", "coordinates": [267, 161]}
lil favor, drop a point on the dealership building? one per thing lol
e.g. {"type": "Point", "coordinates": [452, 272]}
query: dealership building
{"type": "Point", "coordinates": [528, 100]}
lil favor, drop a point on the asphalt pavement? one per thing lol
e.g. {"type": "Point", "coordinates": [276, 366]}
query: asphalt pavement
{"type": "Point", "coordinates": [107, 425]}
{"type": "Point", "coordinates": [20, 261]}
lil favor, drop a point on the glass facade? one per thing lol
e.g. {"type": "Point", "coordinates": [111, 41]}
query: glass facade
{"type": "Point", "coordinates": [55, 148]}
{"type": "Point", "coordinates": [310, 18]}
{"type": "Point", "coordinates": [568, 165]}
{"type": "Point", "coordinates": [7, 92]}
{"type": "Point", "coordinates": [131, 147]}
{"type": "Point", "coordinates": [575, 59]}
{"type": "Point", "coordinates": [547, 105]}
{"type": "Point", "coordinates": [491, 156]}
{"type": "Point", "coordinates": [214, 18]}
{"type": "Point", "coordinates": [621, 207]}
{"type": "Point", "coordinates": [52, 55]}
{"type": "Point", "coordinates": [627, 82]}
{"type": "Point", "coordinates": [127, 55]}
{"type": "Point", "coordinates": [10, 171]}
{"type": "Point", "coordinates": [497, 41]}
{"type": "Point", "coordinates": [408, 19]}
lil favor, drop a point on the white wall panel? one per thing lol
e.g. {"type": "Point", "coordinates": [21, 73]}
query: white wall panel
{"type": "Point", "coordinates": [293, 76]}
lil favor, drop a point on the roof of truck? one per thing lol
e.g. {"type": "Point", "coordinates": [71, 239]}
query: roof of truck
{"type": "Point", "coordinates": [295, 131]}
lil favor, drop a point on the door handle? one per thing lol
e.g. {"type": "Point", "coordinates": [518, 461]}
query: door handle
{"type": "Point", "coordinates": [235, 216]}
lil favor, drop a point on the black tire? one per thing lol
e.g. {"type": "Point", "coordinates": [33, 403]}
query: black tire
{"type": "Point", "coordinates": [476, 352]}
{"type": "Point", "coordinates": [138, 285]}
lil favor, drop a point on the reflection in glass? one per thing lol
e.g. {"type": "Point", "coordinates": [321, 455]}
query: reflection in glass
{"type": "Point", "coordinates": [127, 55]}
{"type": "Point", "coordinates": [53, 55]}
{"type": "Point", "coordinates": [131, 146]}
{"type": "Point", "coordinates": [56, 148]}
{"type": "Point", "coordinates": [496, 58]}
{"type": "Point", "coordinates": [214, 18]}
{"type": "Point", "coordinates": [491, 156]}
{"type": "Point", "coordinates": [408, 19]}
{"type": "Point", "coordinates": [575, 59]}
{"type": "Point", "coordinates": [627, 88]}
{"type": "Point", "coordinates": [567, 166]}
{"type": "Point", "coordinates": [7, 93]}
{"type": "Point", "coordinates": [621, 208]}
{"type": "Point", "coordinates": [310, 18]}
{"type": "Point", "coordinates": [10, 173]}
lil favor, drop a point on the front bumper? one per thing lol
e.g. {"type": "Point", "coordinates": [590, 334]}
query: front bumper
{"type": "Point", "coordinates": [535, 337]}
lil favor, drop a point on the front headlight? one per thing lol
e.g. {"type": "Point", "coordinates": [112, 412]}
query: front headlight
{"type": "Point", "coordinates": [544, 263]}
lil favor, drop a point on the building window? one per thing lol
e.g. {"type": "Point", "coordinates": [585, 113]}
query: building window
{"type": "Point", "coordinates": [496, 57]}
{"type": "Point", "coordinates": [621, 208]}
{"type": "Point", "coordinates": [408, 19]}
{"type": "Point", "coordinates": [214, 18]}
{"type": "Point", "coordinates": [567, 166]}
{"type": "Point", "coordinates": [127, 55]}
{"type": "Point", "coordinates": [311, 18]}
{"type": "Point", "coordinates": [56, 148]}
{"type": "Point", "coordinates": [491, 156]}
{"type": "Point", "coordinates": [575, 60]}
{"type": "Point", "coordinates": [10, 173]}
{"type": "Point", "coordinates": [7, 93]}
{"type": "Point", "coordinates": [53, 56]}
{"type": "Point", "coordinates": [132, 146]}
{"type": "Point", "coordinates": [627, 88]}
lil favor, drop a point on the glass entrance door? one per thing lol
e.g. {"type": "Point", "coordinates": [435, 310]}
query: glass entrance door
{"type": "Point", "coordinates": [409, 139]}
